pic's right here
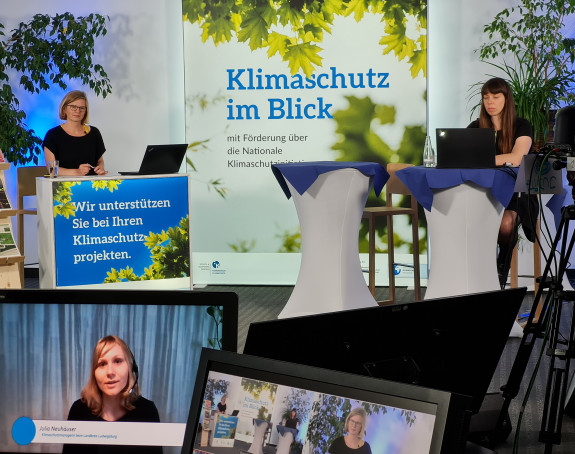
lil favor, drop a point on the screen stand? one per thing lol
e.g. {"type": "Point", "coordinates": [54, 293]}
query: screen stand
{"type": "Point", "coordinates": [483, 426]}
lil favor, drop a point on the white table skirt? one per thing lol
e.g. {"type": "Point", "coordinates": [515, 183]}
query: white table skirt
{"type": "Point", "coordinates": [463, 226]}
{"type": "Point", "coordinates": [330, 277]}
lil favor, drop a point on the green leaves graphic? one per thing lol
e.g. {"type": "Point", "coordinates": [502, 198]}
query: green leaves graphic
{"type": "Point", "coordinates": [293, 29]}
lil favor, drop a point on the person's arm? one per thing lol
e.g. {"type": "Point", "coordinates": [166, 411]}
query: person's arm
{"type": "Point", "coordinates": [99, 169]}
{"type": "Point", "coordinates": [82, 170]}
{"type": "Point", "coordinates": [520, 148]}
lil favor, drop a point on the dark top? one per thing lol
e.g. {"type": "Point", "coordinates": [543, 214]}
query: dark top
{"type": "Point", "coordinates": [292, 423]}
{"type": "Point", "coordinates": [522, 128]}
{"type": "Point", "coordinates": [222, 407]}
{"type": "Point", "coordinates": [72, 151]}
{"type": "Point", "coordinates": [339, 447]}
{"type": "Point", "coordinates": [526, 206]}
{"type": "Point", "coordinates": [145, 411]}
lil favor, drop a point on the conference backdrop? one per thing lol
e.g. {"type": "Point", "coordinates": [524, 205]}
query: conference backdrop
{"type": "Point", "coordinates": [291, 81]}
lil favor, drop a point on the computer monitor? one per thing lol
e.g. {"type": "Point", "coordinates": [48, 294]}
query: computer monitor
{"type": "Point", "coordinates": [453, 344]}
{"type": "Point", "coordinates": [393, 417]}
{"type": "Point", "coordinates": [47, 338]}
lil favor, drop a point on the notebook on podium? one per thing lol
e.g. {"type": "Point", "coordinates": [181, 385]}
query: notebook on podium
{"type": "Point", "coordinates": [161, 159]}
{"type": "Point", "coordinates": [465, 148]}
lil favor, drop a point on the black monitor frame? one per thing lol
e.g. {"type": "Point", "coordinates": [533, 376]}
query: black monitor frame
{"type": "Point", "coordinates": [451, 413]}
{"type": "Point", "coordinates": [227, 302]}
{"type": "Point", "coordinates": [453, 343]}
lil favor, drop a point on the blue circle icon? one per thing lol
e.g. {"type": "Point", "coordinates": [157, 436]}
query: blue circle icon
{"type": "Point", "coordinates": [23, 431]}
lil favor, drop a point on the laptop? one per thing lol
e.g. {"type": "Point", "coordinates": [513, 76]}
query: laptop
{"type": "Point", "coordinates": [161, 159]}
{"type": "Point", "coordinates": [465, 148]}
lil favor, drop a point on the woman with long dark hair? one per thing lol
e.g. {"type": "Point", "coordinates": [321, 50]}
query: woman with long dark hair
{"type": "Point", "coordinates": [514, 138]}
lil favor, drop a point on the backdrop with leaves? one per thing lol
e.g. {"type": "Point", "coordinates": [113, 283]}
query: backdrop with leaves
{"type": "Point", "coordinates": [289, 81]}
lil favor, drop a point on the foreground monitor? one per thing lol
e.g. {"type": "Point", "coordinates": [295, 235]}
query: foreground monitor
{"type": "Point", "coordinates": [46, 342]}
{"type": "Point", "coordinates": [262, 393]}
{"type": "Point", "coordinates": [453, 344]}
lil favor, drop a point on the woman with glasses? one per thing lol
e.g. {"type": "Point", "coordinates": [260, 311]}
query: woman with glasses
{"type": "Point", "coordinates": [77, 146]}
{"type": "Point", "coordinates": [352, 442]}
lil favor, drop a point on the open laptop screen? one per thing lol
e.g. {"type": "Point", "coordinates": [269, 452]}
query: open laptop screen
{"type": "Point", "coordinates": [465, 148]}
{"type": "Point", "coordinates": [161, 159]}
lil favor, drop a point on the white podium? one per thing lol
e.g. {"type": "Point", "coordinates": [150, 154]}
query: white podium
{"type": "Point", "coordinates": [91, 228]}
{"type": "Point", "coordinates": [330, 277]}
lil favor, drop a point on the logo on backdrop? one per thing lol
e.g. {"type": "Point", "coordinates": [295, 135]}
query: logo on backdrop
{"type": "Point", "coordinates": [217, 268]}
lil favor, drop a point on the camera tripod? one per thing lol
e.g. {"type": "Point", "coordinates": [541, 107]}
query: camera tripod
{"type": "Point", "coordinates": [547, 327]}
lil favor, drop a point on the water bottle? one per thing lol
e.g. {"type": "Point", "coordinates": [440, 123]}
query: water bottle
{"type": "Point", "coordinates": [429, 159]}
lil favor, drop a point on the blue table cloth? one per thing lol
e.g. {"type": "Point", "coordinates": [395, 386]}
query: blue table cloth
{"type": "Point", "coordinates": [283, 429]}
{"type": "Point", "coordinates": [302, 175]}
{"type": "Point", "coordinates": [421, 181]}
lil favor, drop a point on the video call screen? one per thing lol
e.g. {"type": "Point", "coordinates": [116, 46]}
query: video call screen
{"type": "Point", "coordinates": [45, 362]}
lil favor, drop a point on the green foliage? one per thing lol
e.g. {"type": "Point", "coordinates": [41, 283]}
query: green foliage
{"type": "Point", "coordinates": [243, 246]}
{"type": "Point", "coordinates": [263, 414]}
{"type": "Point", "coordinates": [170, 253]}
{"type": "Point", "coordinates": [216, 313]}
{"type": "Point", "coordinates": [293, 29]}
{"type": "Point", "coordinates": [214, 388]}
{"type": "Point", "coordinates": [256, 387]}
{"type": "Point", "coordinates": [216, 184]}
{"type": "Point", "coordinates": [300, 400]}
{"type": "Point", "coordinates": [537, 59]}
{"type": "Point", "coordinates": [43, 52]}
{"type": "Point", "coordinates": [328, 420]}
{"type": "Point", "coordinates": [358, 141]}
{"type": "Point", "coordinates": [291, 242]}
{"type": "Point", "coordinates": [110, 185]}
{"type": "Point", "coordinates": [63, 204]}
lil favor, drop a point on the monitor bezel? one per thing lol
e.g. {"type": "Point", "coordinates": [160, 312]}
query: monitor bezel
{"type": "Point", "coordinates": [451, 411]}
{"type": "Point", "coordinates": [400, 331]}
{"type": "Point", "coordinates": [228, 301]}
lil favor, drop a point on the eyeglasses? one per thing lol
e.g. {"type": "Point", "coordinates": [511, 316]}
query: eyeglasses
{"type": "Point", "coordinates": [76, 108]}
{"type": "Point", "coordinates": [354, 423]}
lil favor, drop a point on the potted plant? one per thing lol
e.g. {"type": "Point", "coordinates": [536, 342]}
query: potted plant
{"type": "Point", "coordinates": [43, 52]}
{"type": "Point", "coordinates": [536, 59]}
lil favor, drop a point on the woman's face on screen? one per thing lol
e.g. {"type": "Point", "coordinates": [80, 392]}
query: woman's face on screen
{"type": "Point", "coordinates": [355, 425]}
{"type": "Point", "coordinates": [112, 371]}
{"type": "Point", "coordinates": [494, 103]}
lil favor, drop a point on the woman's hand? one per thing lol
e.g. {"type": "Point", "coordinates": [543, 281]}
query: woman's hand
{"type": "Point", "coordinates": [100, 170]}
{"type": "Point", "coordinates": [84, 169]}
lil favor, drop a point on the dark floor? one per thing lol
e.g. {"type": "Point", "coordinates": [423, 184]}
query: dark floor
{"type": "Point", "coordinates": [265, 303]}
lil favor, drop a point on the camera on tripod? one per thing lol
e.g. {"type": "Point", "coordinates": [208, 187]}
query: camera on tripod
{"type": "Point", "coordinates": [563, 158]}
{"type": "Point", "coordinates": [563, 148]}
